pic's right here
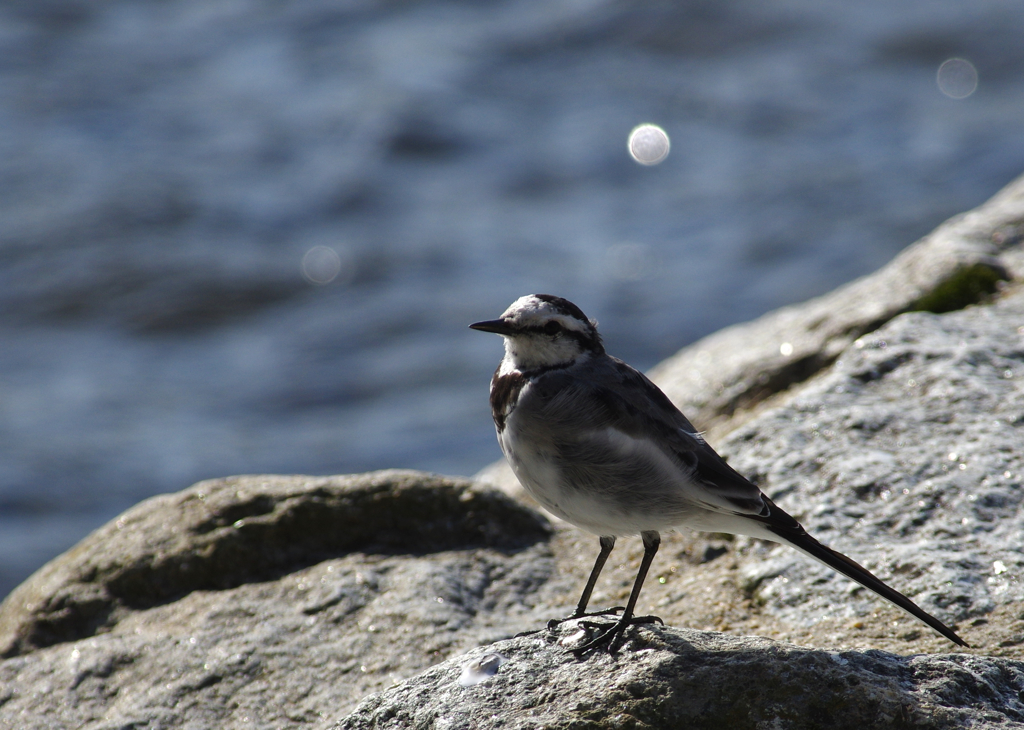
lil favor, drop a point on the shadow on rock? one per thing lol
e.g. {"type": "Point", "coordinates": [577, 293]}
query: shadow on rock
{"type": "Point", "coordinates": [667, 677]}
{"type": "Point", "coordinates": [224, 533]}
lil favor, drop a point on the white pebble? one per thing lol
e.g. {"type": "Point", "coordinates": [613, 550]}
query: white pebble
{"type": "Point", "coordinates": [480, 669]}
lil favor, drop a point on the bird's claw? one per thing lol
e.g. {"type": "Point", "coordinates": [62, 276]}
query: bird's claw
{"type": "Point", "coordinates": [556, 622]}
{"type": "Point", "coordinates": [612, 634]}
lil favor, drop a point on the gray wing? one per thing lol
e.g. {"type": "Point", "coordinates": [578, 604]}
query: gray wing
{"type": "Point", "coordinates": [621, 398]}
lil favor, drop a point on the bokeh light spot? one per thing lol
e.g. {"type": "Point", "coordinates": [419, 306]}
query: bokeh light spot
{"type": "Point", "coordinates": [630, 261]}
{"type": "Point", "coordinates": [957, 78]}
{"type": "Point", "coordinates": [648, 144]}
{"type": "Point", "coordinates": [321, 265]}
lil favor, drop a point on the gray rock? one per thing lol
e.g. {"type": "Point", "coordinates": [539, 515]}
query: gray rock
{"type": "Point", "coordinates": [302, 595]}
{"type": "Point", "coordinates": [228, 532]}
{"type": "Point", "coordinates": [674, 678]}
{"type": "Point", "coordinates": [907, 454]}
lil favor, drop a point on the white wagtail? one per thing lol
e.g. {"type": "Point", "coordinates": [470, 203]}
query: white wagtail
{"type": "Point", "coordinates": [599, 445]}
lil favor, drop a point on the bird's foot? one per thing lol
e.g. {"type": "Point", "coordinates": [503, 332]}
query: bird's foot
{"type": "Point", "coordinates": [611, 634]}
{"type": "Point", "coordinates": [556, 622]}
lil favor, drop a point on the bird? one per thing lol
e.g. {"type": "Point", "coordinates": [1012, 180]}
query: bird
{"type": "Point", "coordinates": [599, 445]}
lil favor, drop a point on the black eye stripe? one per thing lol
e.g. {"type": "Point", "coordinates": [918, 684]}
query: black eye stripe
{"type": "Point", "coordinates": [587, 340]}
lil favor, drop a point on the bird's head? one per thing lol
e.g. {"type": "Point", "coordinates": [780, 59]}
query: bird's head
{"type": "Point", "coordinates": [541, 330]}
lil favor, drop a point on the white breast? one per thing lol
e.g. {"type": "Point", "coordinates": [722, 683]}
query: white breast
{"type": "Point", "coordinates": [613, 508]}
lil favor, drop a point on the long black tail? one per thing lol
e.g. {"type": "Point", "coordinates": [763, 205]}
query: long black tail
{"type": "Point", "coordinates": [792, 533]}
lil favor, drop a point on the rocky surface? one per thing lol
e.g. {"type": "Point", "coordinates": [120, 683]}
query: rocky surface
{"type": "Point", "coordinates": [301, 595]}
{"type": "Point", "coordinates": [284, 601]}
{"type": "Point", "coordinates": [908, 452]}
{"type": "Point", "coordinates": [674, 678]}
{"type": "Point", "coordinates": [229, 532]}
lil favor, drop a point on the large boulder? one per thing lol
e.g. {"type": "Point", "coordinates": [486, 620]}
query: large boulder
{"type": "Point", "coordinates": [267, 601]}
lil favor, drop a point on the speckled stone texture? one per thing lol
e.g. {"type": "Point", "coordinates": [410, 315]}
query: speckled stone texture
{"type": "Point", "coordinates": [302, 594]}
{"type": "Point", "coordinates": [676, 678]}
{"type": "Point", "coordinates": [909, 453]}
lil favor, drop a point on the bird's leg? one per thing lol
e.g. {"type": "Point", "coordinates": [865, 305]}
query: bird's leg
{"type": "Point", "coordinates": [611, 634]}
{"type": "Point", "coordinates": [607, 544]}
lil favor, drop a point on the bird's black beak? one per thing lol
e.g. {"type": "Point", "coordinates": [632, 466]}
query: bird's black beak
{"type": "Point", "coordinates": [497, 326]}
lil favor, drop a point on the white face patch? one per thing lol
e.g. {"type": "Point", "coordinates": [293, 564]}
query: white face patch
{"type": "Point", "coordinates": [530, 351]}
{"type": "Point", "coordinates": [532, 311]}
{"type": "Point", "coordinates": [533, 348]}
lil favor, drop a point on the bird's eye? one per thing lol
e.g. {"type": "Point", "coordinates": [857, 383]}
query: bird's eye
{"type": "Point", "coordinates": [552, 328]}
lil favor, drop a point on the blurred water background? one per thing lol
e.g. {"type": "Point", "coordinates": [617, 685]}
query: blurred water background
{"type": "Point", "coordinates": [242, 236]}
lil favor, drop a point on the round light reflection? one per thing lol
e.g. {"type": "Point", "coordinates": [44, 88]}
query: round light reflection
{"type": "Point", "coordinates": [648, 144]}
{"type": "Point", "coordinates": [957, 78]}
{"type": "Point", "coordinates": [630, 261]}
{"type": "Point", "coordinates": [321, 265]}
